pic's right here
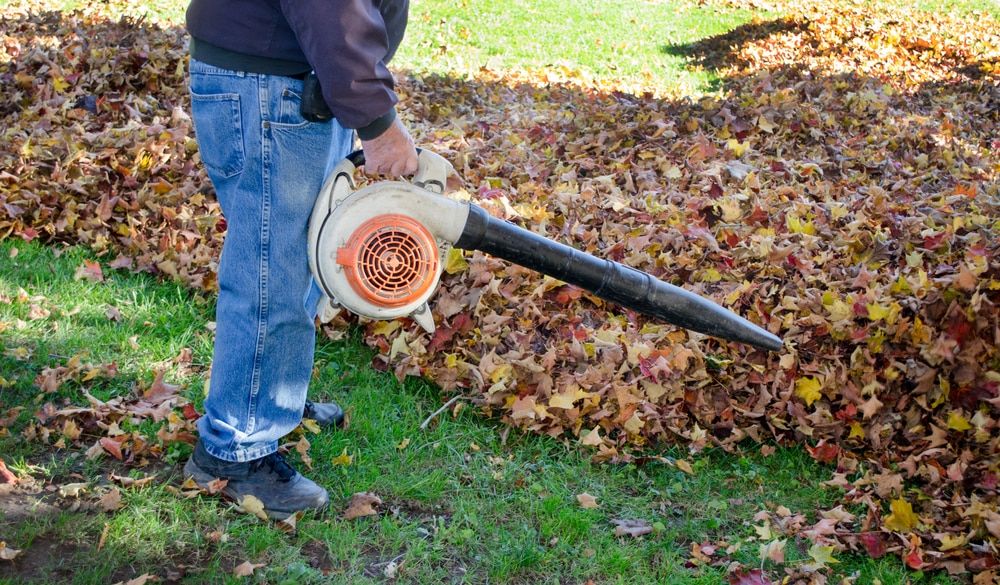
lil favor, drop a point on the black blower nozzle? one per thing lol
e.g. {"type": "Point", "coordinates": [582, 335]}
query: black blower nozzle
{"type": "Point", "coordinates": [609, 280]}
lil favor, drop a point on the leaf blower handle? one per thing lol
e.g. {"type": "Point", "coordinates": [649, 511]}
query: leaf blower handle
{"type": "Point", "coordinates": [432, 172]}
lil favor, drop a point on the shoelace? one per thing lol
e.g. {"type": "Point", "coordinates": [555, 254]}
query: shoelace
{"type": "Point", "coordinates": [277, 464]}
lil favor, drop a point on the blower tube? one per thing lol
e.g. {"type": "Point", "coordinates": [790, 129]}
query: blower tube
{"type": "Point", "coordinates": [609, 280]}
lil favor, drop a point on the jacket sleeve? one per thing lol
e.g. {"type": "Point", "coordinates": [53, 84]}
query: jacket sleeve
{"type": "Point", "coordinates": [347, 43]}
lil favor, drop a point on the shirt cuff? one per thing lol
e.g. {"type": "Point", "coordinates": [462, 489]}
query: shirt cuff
{"type": "Point", "coordinates": [377, 127]}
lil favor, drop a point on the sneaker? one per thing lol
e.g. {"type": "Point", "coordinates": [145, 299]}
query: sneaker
{"type": "Point", "coordinates": [270, 479]}
{"type": "Point", "coordinates": [326, 414]}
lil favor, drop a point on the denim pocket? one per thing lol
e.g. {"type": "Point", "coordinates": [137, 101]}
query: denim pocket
{"type": "Point", "coordinates": [290, 108]}
{"type": "Point", "coordinates": [217, 124]}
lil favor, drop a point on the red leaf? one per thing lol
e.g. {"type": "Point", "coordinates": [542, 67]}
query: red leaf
{"type": "Point", "coordinates": [824, 452]}
{"type": "Point", "coordinates": [754, 577]}
{"type": "Point", "coordinates": [874, 543]}
{"type": "Point", "coordinates": [568, 294]}
{"type": "Point", "coordinates": [189, 412]}
{"type": "Point", "coordinates": [914, 559]}
{"type": "Point", "coordinates": [113, 447]}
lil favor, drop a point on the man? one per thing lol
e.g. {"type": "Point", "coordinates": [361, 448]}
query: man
{"type": "Point", "coordinates": [267, 162]}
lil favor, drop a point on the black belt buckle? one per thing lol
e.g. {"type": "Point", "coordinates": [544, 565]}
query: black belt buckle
{"type": "Point", "coordinates": [314, 107]}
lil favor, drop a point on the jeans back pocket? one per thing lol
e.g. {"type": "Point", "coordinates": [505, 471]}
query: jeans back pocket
{"type": "Point", "coordinates": [219, 129]}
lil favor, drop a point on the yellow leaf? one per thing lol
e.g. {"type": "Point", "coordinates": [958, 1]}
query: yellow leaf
{"type": "Point", "coordinates": [857, 431]}
{"type": "Point", "coordinates": [877, 312]}
{"type": "Point", "coordinates": [502, 372]}
{"type": "Point", "coordinates": [949, 542]}
{"type": "Point", "coordinates": [60, 84]}
{"type": "Point", "coordinates": [634, 424]}
{"type": "Point", "coordinates": [311, 426]}
{"type": "Point", "coordinates": [797, 226]}
{"type": "Point", "coordinates": [403, 444]}
{"type": "Point", "coordinates": [902, 518]}
{"type": "Point", "coordinates": [455, 261]}
{"type": "Point", "coordinates": [822, 555]}
{"type": "Point", "coordinates": [957, 422]}
{"type": "Point", "coordinates": [765, 124]}
{"type": "Point", "coordinates": [385, 327]}
{"type": "Point", "coordinates": [343, 458]}
{"type": "Point", "coordinates": [737, 147]}
{"type": "Point", "coordinates": [564, 400]}
{"type": "Point", "coordinates": [684, 466]}
{"type": "Point", "coordinates": [808, 389]}
{"type": "Point", "coordinates": [251, 505]}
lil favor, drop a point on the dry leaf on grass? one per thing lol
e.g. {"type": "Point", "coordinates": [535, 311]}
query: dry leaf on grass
{"type": "Point", "coordinates": [633, 528]}
{"type": "Point", "coordinates": [246, 568]}
{"type": "Point", "coordinates": [8, 553]}
{"type": "Point", "coordinates": [362, 504]}
{"type": "Point", "coordinates": [111, 500]}
{"type": "Point", "coordinates": [250, 504]}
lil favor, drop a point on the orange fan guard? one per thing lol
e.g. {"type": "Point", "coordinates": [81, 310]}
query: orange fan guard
{"type": "Point", "coordinates": [391, 260]}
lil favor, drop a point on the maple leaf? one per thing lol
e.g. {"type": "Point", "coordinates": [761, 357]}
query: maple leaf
{"type": "Point", "coordinates": [89, 270]}
{"type": "Point", "coordinates": [751, 577]}
{"type": "Point", "coordinates": [587, 501]}
{"type": "Point", "coordinates": [874, 544]}
{"type": "Point", "coordinates": [808, 389]}
{"type": "Point", "coordinates": [773, 551]}
{"type": "Point", "coordinates": [343, 458]}
{"type": "Point", "coordinates": [902, 518]}
{"type": "Point", "coordinates": [111, 500]}
{"type": "Point", "coordinates": [822, 555]}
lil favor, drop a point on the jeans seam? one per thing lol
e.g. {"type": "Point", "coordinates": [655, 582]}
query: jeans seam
{"type": "Point", "coordinates": [263, 101]}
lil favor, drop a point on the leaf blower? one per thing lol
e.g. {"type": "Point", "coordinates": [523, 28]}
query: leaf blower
{"type": "Point", "coordinates": [378, 251]}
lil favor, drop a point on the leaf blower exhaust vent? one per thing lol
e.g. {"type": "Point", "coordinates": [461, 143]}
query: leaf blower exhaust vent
{"type": "Point", "coordinates": [390, 260]}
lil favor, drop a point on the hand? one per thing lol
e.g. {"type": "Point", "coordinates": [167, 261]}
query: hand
{"type": "Point", "coordinates": [391, 153]}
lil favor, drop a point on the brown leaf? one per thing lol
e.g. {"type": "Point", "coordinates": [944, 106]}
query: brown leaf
{"type": "Point", "coordinates": [362, 504]}
{"type": "Point", "coordinates": [587, 501]}
{"type": "Point", "coordinates": [6, 476]}
{"type": "Point", "coordinates": [111, 500]}
{"type": "Point", "coordinates": [246, 568]}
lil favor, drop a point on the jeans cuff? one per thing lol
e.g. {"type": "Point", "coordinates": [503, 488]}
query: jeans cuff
{"type": "Point", "coordinates": [241, 455]}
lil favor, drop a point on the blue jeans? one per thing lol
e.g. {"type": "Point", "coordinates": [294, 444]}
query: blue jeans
{"type": "Point", "coordinates": [267, 165]}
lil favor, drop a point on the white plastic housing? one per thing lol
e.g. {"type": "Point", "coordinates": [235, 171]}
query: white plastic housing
{"type": "Point", "coordinates": [340, 210]}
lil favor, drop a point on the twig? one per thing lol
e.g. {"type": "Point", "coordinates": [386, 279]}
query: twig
{"type": "Point", "coordinates": [427, 421]}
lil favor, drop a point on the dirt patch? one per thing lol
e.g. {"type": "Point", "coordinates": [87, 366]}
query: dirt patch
{"type": "Point", "coordinates": [18, 503]}
{"type": "Point", "coordinates": [318, 555]}
{"type": "Point", "coordinates": [45, 560]}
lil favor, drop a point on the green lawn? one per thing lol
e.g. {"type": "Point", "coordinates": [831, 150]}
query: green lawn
{"type": "Point", "coordinates": [461, 504]}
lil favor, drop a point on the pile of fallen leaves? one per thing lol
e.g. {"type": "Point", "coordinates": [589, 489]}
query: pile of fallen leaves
{"type": "Point", "coordinates": [842, 191]}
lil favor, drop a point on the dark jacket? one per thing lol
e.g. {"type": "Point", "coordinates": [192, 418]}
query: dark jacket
{"type": "Point", "coordinates": [347, 42]}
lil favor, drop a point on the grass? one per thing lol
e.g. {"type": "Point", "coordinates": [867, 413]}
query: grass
{"type": "Point", "coordinates": [462, 504]}
{"type": "Point", "coordinates": [613, 40]}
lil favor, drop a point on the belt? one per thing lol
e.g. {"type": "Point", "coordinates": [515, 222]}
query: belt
{"type": "Point", "coordinates": [299, 76]}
